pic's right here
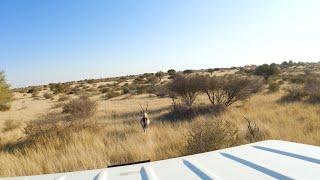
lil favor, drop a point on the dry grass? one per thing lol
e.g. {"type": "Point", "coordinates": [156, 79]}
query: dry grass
{"type": "Point", "coordinates": [114, 135]}
{"type": "Point", "coordinates": [120, 139]}
{"type": "Point", "coordinates": [91, 148]}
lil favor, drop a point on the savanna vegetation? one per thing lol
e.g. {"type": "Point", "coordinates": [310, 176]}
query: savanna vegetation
{"type": "Point", "coordinates": [5, 93]}
{"type": "Point", "coordinates": [94, 123]}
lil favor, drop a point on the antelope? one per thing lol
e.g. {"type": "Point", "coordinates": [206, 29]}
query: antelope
{"type": "Point", "coordinates": [145, 121]}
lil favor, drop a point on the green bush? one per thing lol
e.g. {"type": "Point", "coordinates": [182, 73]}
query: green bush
{"type": "Point", "coordinates": [160, 75]}
{"type": "Point", "coordinates": [273, 87]}
{"type": "Point", "coordinates": [187, 71]}
{"type": "Point", "coordinates": [5, 93]}
{"type": "Point", "coordinates": [266, 70]}
{"type": "Point", "coordinates": [125, 90]}
{"type": "Point", "coordinates": [171, 72]}
{"type": "Point", "coordinates": [33, 90]}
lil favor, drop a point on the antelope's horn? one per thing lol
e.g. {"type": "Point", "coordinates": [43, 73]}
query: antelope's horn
{"type": "Point", "coordinates": [147, 107]}
{"type": "Point", "coordinates": [141, 108]}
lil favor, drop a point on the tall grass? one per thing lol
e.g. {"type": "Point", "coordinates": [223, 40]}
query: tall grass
{"type": "Point", "coordinates": [99, 142]}
{"type": "Point", "coordinates": [81, 148]}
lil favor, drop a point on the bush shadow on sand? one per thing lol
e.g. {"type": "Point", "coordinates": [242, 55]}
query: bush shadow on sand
{"type": "Point", "coordinates": [179, 112]}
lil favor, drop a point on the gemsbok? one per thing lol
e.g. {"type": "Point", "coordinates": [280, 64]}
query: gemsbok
{"type": "Point", "coordinates": [145, 121]}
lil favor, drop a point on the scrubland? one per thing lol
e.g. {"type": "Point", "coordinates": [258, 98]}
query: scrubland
{"type": "Point", "coordinates": [36, 137]}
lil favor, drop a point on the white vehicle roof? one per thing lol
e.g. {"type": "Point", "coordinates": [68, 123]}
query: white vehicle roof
{"type": "Point", "coordinates": [263, 160]}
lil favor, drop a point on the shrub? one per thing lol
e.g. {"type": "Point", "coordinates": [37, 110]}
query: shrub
{"type": "Point", "coordinates": [273, 87]}
{"type": "Point", "coordinates": [171, 72]}
{"type": "Point", "coordinates": [141, 89]}
{"type": "Point", "coordinates": [92, 89]}
{"type": "Point", "coordinates": [74, 90]}
{"type": "Point", "coordinates": [139, 79]}
{"type": "Point", "coordinates": [188, 71]}
{"type": "Point", "coordinates": [234, 89]}
{"type": "Point", "coordinates": [22, 90]}
{"type": "Point", "coordinates": [150, 89]}
{"type": "Point", "coordinates": [48, 95]}
{"type": "Point", "coordinates": [80, 108]}
{"type": "Point", "coordinates": [312, 88]}
{"type": "Point", "coordinates": [35, 94]}
{"type": "Point", "coordinates": [91, 81]}
{"type": "Point", "coordinates": [123, 78]}
{"type": "Point", "coordinates": [104, 90]}
{"type": "Point", "coordinates": [58, 88]}
{"type": "Point", "coordinates": [187, 88]}
{"type": "Point", "coordinates": [10, 125]}
{"type": "Point", "coordinates": [5, 107]}
{"type": "Point", "coordinates": [112, 94]}
{"type": "Point", "coordinates": [63, 97]}
{"type": "Point", "coordinates": [54, 125]}
{"type": "Point", "coordinates": [294, 93]}
{"type": "Point", "coordinates": [210, 70]}
{"type": "Point", "coordinates": [102, 86]}
{"type": "Point", "coordinates": [230, 89]}
{"type": "Point", "coordinates": [220, 90]}
{"type": "Point", "coordinates": [152, 79]}
{"type": "Point", "coordinates": [286, 64]}
{"type": "Point", "coordinates": [33, 90]}
{"type": "Point", "coordinates": [145, 75]}
{"type": "Point", "coordinates": [298, 79]}
{"type": "Point", "coordinates": [125, 90]}
{"type": "Point", "coordinates": [266, 70]}
{"type": "Point", "coordinates": [160, 75]}
{"type": "Point", "coordinates": [5, 93]}
{"type": "Point", "coordinates": [162, 91]}
{"type": "Point", "coordinates": [207, 136]}
{"type": "Point", "coordinates": [254, 133]}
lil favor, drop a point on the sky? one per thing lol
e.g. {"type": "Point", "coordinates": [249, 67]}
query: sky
{"type": "Point", "coordinates": [43, 41]}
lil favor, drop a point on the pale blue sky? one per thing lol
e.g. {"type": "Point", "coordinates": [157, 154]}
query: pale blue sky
{"type": "Point", "coordinates": [44, 41]}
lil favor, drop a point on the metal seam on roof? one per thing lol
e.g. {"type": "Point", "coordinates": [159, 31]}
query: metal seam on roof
{"type": "Point", "coordinates": [289, 154]}
{"type": "Point", "coordinates": [200, 171]}
{"type": "Point", "coordinates": [102, 175]}
{"type": "Point", "coordinates": [257, 167]}
{"type": "Point", "coordinates": [147, 173]}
